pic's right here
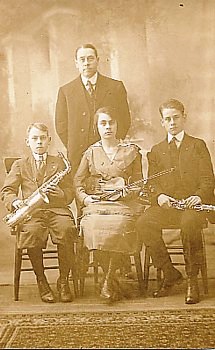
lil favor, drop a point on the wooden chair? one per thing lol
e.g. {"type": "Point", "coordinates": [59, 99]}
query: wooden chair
{"type": "Point", "coordinates": [88, 259]}
{"type": "Point", "coordinates": [21, 259]}
{"type": "Point", "coordinates": [176, 250]}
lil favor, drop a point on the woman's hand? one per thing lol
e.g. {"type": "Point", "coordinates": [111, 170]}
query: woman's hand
{"type": "Point", "coordinates": [91, 199]}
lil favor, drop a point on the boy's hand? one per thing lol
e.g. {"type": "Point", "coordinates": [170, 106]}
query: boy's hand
{"type": "Point", "coordinates": [18, 203]}
{"type": "Point", "coordinates": [165, 201]}
{"type": "Point", "coordinates": [55, 191]}
{"type": "Point", "coordinates": [192, 200]}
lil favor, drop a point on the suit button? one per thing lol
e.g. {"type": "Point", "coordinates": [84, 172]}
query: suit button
{"type": "Point", "coordinates": [82, 130]}
{"type": "Point", "coordinates": [84, 113]}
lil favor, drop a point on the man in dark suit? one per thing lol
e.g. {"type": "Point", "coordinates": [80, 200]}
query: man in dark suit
{"type": "Point", "coordinates": [79, 99]}
{"type": "Point", "coordinates": [193, 181]}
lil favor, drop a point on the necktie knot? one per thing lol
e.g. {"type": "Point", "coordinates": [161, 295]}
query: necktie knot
{"type": "Point", "coordinates": [174, 139]}
{"type": "Point", "coordinates": [89, 87]}
{"type": "Point", "coordinates": [40, 163]}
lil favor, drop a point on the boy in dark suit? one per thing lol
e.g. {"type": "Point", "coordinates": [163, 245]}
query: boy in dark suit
{"type": "Point", "coordinates": [28, 174]}
{"type": "Point", "coordinates": [193, 181]}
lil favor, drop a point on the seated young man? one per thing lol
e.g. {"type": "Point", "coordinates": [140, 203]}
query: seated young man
{"type": "Point", "coordinates": [192, 181]}
{"type": "Point", "coordinates": [28, 174]}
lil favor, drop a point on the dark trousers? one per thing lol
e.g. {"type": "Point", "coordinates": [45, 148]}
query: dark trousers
{"type": "Point", "coordinates": [149, 227]}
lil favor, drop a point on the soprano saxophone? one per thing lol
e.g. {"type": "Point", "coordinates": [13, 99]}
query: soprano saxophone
{"type": "Point", "coordinates": [37, 198]}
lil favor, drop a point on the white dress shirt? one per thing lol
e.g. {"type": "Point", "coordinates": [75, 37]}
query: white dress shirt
{"type": "Point", "coordinates": [178, 138]}
{"type": "Point", "coordinates": [93, 80]}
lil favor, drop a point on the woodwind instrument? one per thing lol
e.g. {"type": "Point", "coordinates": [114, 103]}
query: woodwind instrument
{"type": "Point", "coordinates": [37, 198]}
{"type": "Point", "coordinates": [181, 205]}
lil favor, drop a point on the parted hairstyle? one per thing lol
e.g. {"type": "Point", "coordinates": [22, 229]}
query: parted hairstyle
{"type": "Point", "coordinates": [39, 126]}
{"type": "Point", "coordinates": [86, 46]}
{"type": "Point", "coordinates": [171, 103]}
{"type": "Point", "coordinates": [111, 111]}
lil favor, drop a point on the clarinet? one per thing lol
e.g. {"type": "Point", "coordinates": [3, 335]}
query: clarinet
{"type": "Point", "coordinates": [181, 205]}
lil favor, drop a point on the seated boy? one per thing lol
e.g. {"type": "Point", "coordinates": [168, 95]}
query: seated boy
{"type": "Point", "coordinates": [28, 174]}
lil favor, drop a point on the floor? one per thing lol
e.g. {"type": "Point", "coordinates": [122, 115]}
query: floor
{"type": "Point", "coordinates": [30, 301]}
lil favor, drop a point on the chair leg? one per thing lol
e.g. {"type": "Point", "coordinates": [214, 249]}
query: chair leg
{"type": "Point", "coordinates": [203, 267]}
{"type": "Point", "coordinates": [95, 268]}
{"type": "Point", "coordinates": [17, 272]}
{"type": "Point", "coordinates": [146, 269]}
{"type": "Point", "coordinates": [139, 270]}
{"type": "Point", "coordinates": [158, 278]}
{"type": "Point", "coordinates": [83, 267]}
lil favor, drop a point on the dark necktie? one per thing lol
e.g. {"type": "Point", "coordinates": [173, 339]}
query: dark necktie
{"type": "Point", "coordinates": [41, 165]}
{"type": "Point", "coordinates": [172, 144]}
{"type": "Point", "coordinates": [174, 152]}
{"type": "Point", "coordinates": [89, 87]}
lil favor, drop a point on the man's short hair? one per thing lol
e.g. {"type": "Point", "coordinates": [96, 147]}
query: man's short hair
{"type": "Point", "coordinates": [86, 46]}
{"type": "Point", "coordinates": [39, 126]}
{"type": "Point", "coordinates": [171, 103]}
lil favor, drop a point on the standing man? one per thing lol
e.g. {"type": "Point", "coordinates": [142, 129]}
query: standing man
{"type": "Point", "coordinates": [193, 181]}
{"type": "Point", "coordinates": [79, 99]}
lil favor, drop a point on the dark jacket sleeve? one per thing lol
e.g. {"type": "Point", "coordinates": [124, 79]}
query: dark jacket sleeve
{"type": "Point", "coordinates": [61, 117]}
{"type": "Point", "coordinates": [10, 189]}
{"type": "Point", "coordinates": [79, 179]}
{"type": "Point", "coordinates": [205, 186]}
{"type": "Point", "coordinates": [125, 117]}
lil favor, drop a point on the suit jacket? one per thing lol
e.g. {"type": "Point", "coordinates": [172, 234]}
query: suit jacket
{"type": "Point", "coordinates": [195, 168]}
{"type": "Point", "coordinates": [23, 176]}
{"type": "Point", "coordinates": [73, 114]}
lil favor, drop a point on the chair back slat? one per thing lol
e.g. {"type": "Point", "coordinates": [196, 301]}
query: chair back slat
{"type": "Point", "coordinates": [8, 162]}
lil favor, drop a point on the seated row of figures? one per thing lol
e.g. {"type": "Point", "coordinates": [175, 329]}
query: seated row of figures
{"type": "Point", "coordinates": [117, 211]}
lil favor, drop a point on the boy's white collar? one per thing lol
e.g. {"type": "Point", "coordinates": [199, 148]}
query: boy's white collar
{"type": "Point", "coordinates": [39, 157]}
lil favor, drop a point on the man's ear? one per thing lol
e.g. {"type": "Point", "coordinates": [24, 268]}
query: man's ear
{"type": "Point", "coordinates": [50, 139]}
{"type": "Point", "coordinates": [162, 122]}
{"type": "Point", "coordinates": [27, 141]}
{"type": "Point", "coordinates": [76, 63]}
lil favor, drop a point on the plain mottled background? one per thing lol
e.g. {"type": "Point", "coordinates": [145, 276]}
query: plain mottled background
{"type": "Point", "coordinates": [161, 49]}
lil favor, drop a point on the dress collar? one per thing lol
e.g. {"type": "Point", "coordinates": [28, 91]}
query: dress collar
{"type": "Point", "coordinates": [93, 79]}
{"type": "Point", "coordinates": [179, 137]}
{"type": "Point", "coordinates": [40, 157]}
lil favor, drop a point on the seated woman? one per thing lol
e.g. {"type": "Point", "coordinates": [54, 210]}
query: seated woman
{"type": "Point", "coordinates": [109, 209]}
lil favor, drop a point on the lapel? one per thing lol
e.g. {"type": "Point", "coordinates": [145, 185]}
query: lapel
{"type": "Point", "coordinates": [186, 150]}
{"type": "Point", "coordinates": [77, 94]}
{"type": "Point", "coordinates": [101, 88]}
{"type": "Point", "coordinates": [30, 168]}
{"type": "Point", "coordinates": [165, 154]}
{"type": "Point", "coordinates": [51, 167]}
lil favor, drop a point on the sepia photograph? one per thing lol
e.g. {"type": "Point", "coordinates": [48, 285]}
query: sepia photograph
{"type": "Point", "coordinates": [107, 163]}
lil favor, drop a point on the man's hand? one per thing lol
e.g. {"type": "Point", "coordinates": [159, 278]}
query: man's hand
{"type": "Point", "coordinates": [192, 200]}
{"type": "Point", "coordinates": [55, 191]}
{"type": "Point", "coordinates": [165, 201]}
{"type": "Point", "coordinates": [91, 199]}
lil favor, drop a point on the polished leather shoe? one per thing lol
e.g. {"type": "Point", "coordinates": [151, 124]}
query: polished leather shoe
{"type": "Point", "coordinates": [64, 291]}
{"type": "Point", "coordinates": [167, 284]}
{"type": "Point", "coordinates": [192, 295]}
{"type": "Point", "coordinates": [45, 291]}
